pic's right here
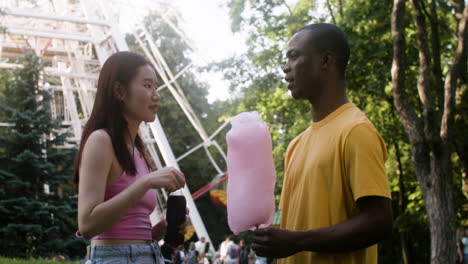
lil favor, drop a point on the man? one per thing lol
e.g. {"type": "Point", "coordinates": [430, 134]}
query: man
{"type": "Point", "coordinates": [244, 252]}
{"type": "Point", "coordinates": [200, 246]}
{"type": "Point", "coordinates": [192, 256]}
{"type": "Point", "coordinates": [232, 256]}
{"type": "Point", "coordinates": [180, 255]}
{"type": "Point", "coordinates": [335, 200]}
{"type": "Point", "coordinates": [223, 249]}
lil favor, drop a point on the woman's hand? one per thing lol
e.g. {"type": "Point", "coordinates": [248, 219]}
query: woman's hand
{"type": "Point", "coordinates": [167, 178]}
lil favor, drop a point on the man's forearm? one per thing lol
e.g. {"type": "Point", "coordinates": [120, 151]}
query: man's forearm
{"type": "Point", "coordinates": [358, 232]}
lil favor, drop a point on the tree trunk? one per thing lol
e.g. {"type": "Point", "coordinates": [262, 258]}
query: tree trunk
{"type": "Point", "coordinates": [436, 65]}
{"type": "Point", "coordinates": [435, 179]}
{"type": "Point", "coordinates": [423, 85]}
{"type": "Point", "coordinates": [458, 6]}
{"type": "Point", "coordinates": [437, 189]}
{"type": "Point", "coordinates": [405, 251]}
{"type": "Point", "coordinates": [430, 149]}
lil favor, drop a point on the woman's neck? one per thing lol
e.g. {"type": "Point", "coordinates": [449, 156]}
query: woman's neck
{"type": "Point", "coordinates": [132, 127]}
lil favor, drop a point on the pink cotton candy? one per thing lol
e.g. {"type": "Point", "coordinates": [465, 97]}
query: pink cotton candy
{"type": "Point", "coordinates": [251, 174]}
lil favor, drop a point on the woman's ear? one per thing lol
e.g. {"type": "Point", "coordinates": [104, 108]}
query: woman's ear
{"type": "Point", "coordinates": [119, 91]}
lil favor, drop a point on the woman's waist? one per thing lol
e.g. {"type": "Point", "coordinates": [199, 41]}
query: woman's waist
{"type": "Point", "coordinates": [133, 220]}
{"type": "Point", "coordinates": [128, 228]}
{"type": "Point", "coordinates": [108, 242]}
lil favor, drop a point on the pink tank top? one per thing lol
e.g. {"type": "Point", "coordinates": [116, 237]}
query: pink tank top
{"type": "Point", "coordinates": [136, 223]}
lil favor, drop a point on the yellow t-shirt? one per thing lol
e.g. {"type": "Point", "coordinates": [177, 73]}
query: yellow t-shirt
{"type": "Point", "coordinates": [328, 167]}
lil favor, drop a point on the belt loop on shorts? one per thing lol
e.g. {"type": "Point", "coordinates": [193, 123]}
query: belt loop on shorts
{"type": "Point", "coordinates": [153, 249]}
{"type": "Point", "coordinates": [90, 252]}
{"type": "Point", "coordinates": [130, 254]}
{"type": "Point", "coordinates": [158, 254]}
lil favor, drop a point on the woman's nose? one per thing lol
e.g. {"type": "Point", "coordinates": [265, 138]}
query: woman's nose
{"type": "Point", "coordinates": [156, 96]}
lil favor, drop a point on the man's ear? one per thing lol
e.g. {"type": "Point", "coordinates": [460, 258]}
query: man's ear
{"type": "Point", "coordinates": [328, 60]}
{"type": "Point", "coordinates": [119, 91]}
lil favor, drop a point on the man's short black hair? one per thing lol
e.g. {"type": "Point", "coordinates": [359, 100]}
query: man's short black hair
{"type": "Point", "coordinates": [328, 37]}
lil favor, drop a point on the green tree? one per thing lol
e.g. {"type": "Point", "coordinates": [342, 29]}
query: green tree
{"type": "Point", "coordinates": [429, 122]}
{"type": "Point", "coordinates": [34, 221]}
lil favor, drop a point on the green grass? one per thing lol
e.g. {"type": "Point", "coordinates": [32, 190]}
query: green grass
{"type": "Point", "coordinates": [33, 261]}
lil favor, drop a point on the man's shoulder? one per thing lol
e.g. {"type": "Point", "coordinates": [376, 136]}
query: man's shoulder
{"type": "Point", "coordinates": [353, 114]}
{"type": "Point", "coordinates": [353, 117]}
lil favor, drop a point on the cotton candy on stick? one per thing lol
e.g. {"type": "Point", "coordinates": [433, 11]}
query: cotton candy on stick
{"type": "Point", "coordinates": [251, 174]}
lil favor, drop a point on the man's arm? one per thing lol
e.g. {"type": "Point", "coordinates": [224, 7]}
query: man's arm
{"type": "Point", "coordinates": [371, 225]}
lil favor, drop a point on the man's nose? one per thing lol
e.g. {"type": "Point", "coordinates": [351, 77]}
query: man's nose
{"type": "Point", "coordinates": [286, 68]}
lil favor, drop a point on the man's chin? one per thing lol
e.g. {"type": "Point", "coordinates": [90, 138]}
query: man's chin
{"type": "Point", "coordinates": [296, 95]}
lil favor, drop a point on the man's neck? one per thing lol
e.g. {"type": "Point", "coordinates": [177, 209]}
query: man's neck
{"type": "Point", "coordinates": [332, 99]}
{"type": "Point", "coordinates": [319, 113]}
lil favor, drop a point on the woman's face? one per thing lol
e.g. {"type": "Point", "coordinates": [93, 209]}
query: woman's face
{"type": "Point", "coordinates": [142, 98]}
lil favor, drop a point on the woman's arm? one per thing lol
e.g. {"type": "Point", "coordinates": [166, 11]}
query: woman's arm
{"type": "Point", "coordinates": [95, 215]}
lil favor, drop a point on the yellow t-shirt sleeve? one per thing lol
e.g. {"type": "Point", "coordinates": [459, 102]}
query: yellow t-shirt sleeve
{"type": "Point", "coordinates": [365, 155]}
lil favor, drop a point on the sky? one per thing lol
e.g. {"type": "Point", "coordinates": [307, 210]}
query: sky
{"type": "Point", "coordinates": [206, 24]}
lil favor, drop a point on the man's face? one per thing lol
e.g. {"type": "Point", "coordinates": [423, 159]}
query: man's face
{"type": "Point", "coordinates": [302, 68]}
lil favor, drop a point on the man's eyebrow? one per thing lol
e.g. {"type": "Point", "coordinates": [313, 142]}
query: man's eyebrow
{"type": "Point", "coordinates": [288, 53]}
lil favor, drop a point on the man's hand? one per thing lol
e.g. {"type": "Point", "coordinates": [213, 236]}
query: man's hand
{"type": "Point", "coordinates": [274, 242]}
{"type": "Point", "coordinates": [372, 224]}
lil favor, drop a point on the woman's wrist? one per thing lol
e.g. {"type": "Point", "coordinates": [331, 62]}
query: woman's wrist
{"type": "Point", "coordinates": [147, 182]}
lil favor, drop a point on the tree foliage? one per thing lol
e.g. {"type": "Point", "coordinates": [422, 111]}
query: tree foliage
{"type": "Point", "coordinates": [38, 211]}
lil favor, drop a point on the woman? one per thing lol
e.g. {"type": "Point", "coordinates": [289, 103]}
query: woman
{"type": "Point", "coordinates": [112, 171]}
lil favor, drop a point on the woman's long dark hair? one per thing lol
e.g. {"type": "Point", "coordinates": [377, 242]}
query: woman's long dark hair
{"type": "Point", "coordinates": [107, 112]}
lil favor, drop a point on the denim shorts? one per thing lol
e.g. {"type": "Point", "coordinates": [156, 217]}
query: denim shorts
{"type": "Point", "coordinates": [125, 254]}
